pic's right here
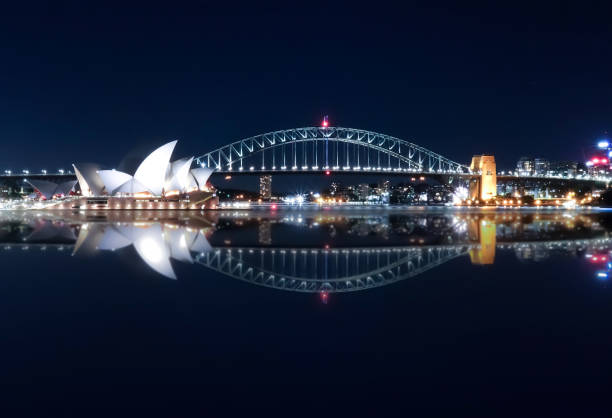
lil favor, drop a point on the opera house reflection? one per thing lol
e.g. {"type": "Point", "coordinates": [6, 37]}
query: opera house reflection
{"type": "Point", "coordinates": [321, 252]}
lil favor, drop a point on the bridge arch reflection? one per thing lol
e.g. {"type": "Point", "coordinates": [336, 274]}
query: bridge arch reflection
{"type": "Point", "coordinates": [339, 252]}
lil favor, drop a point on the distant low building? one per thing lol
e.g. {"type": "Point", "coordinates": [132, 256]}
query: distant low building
{"type": "Point", "coordinates": [525, 166]}
{"type": "Point", "coordinates": [363, 191]}
{"type": "Point", "coordinates": [563, 168]}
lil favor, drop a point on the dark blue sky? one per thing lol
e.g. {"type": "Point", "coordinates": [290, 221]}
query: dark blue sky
{"type": "Point", "coordinates": [91, 83]}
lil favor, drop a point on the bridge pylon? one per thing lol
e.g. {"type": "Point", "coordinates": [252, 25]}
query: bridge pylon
{"type": "Point", "coordinates": [485, 186]}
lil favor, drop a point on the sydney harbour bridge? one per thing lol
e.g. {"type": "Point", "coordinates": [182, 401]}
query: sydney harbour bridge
{"type": "Point", "coordinates": [328, 150]}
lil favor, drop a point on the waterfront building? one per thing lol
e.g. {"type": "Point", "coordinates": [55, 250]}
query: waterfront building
{"type": "Point", "coordinates": [157, 183]}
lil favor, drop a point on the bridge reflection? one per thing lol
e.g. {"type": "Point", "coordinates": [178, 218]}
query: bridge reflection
{"type": "Point", "coordinates": [310, 251]}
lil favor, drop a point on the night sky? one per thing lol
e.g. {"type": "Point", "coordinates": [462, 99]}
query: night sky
{"type": "Point", "coordinates": [84, 82]}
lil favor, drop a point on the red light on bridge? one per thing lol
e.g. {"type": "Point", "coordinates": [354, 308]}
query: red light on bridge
{"type": "Point", "coordinates": [327, 172]}
{"type": "Point", "coordinates": [596, 160]}
{"type": "Point", "coordinates": [325, 123]}
{"type": "Point", "coordinates": [273, 207]}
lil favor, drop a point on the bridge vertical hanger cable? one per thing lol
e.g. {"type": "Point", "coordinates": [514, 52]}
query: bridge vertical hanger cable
{"type": "Point", "coordinates": [337, 156]}
{"type": "Point", "coordinates": [326, 152]}
{"type": "Point", "coordinates": [347, 155]}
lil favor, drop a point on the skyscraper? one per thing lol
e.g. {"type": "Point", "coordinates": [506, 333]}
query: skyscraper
{"type": "Point", "coordinates": [265, 187]}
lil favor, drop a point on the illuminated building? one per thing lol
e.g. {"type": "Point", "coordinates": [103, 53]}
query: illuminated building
{"type": "Point", "coordinates": [265, 187]}
{"type": "Point", "coordinates": [363, 191]}
{"type": "Point", "coordinates": [540, 166]}
{"type": "Point", "coordinates": [525, 166]}
{"type": "Point", "coordinates": [157, 183]}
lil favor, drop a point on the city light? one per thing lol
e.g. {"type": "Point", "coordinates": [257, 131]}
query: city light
{"type": "Point", "coordinates": [603, 144]}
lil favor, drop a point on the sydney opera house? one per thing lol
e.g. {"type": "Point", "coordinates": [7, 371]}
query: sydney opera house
{"type": "Point", "coordinates": [157, 183]}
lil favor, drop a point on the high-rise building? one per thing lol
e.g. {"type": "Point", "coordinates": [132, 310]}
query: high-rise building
{"type": "Point", "coordinates": [265, 187]}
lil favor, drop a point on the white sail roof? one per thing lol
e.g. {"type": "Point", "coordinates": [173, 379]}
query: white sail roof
{"type": "Point", "coordinates": [178, 178]}
{"type": "Point", "coordinates": [131, 186]}
{"type": "Point", "coordinates": [44, 187]}
{"type": "Point", "coordinates": [90, 182]}
{"type": "Point", "coordinates": [201, 175]}
{"type": "Point", "coordinates": [113, 179]}
{"type": "Point", "coordinates": [65, 187]}
{"type": "Point", "coordinates": [152, 171]}
{"type": "Point", "coordinates": [85, 189]}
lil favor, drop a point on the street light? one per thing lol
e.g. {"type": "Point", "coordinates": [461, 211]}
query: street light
{"type": "Point", "coordinates": [61, 171]}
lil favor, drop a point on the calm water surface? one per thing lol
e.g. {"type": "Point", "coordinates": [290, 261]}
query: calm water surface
{"type": "Point", "coordinates": [357, 312]}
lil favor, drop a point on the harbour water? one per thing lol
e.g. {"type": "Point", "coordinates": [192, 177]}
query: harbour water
{"type": "Point", "coordinates": [422, 311]}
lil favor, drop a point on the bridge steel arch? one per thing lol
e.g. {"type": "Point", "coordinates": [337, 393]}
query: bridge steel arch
{"type": "Point", "coordinates": [318, 148]}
